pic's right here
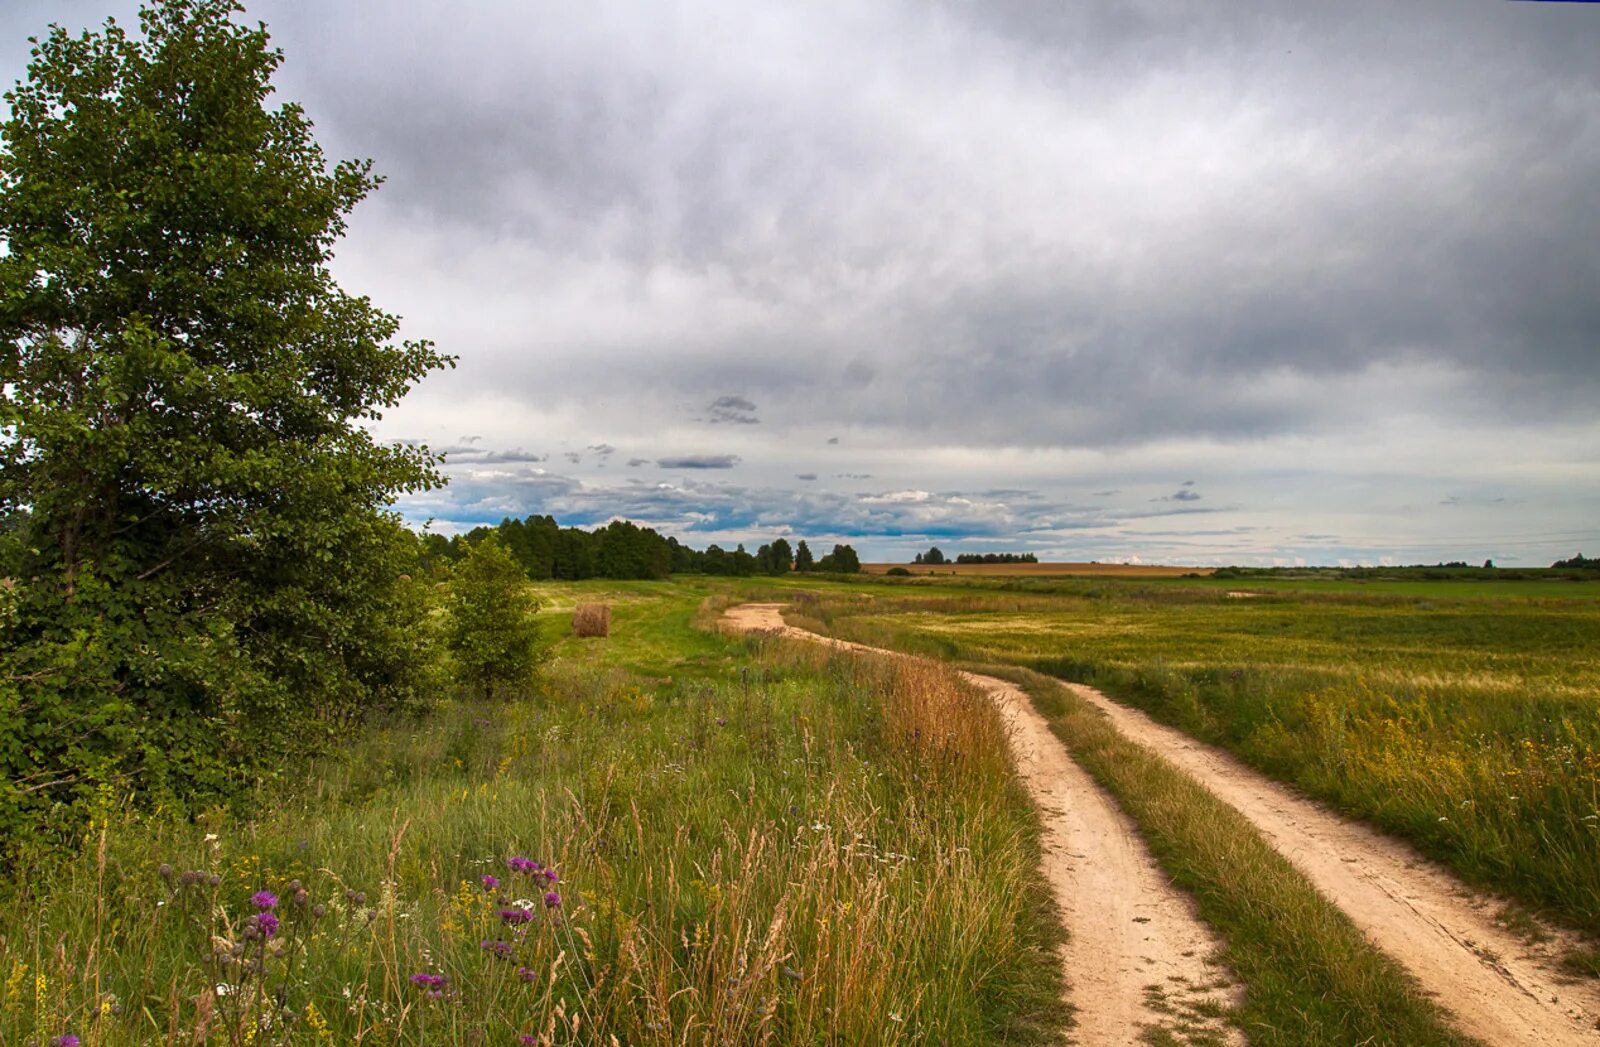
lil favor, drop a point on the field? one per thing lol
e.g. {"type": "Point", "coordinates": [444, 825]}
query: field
{"type": "Point", "coordinates": [1038, 570]}
{"type": "Point", "coordinates": [747, 841]}
{"type": "Point", "coordinates": [1456, 715]}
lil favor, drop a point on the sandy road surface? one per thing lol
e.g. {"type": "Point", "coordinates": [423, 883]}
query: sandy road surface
{"type": "Point", "coordinates": [1500, 989]}
{"type": "Point", "coordinates": [1134, 938]}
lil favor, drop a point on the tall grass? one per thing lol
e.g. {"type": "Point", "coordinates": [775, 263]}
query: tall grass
{"type": "Point", "coordinates": [803, 848]}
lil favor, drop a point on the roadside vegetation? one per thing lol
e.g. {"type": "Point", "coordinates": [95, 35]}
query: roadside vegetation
{"type": "Point", "coordinates": [676, 838]}
{"type": "Point", "coordinates": [1466, 724]}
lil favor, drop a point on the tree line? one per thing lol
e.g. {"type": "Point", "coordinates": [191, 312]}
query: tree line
{"type": "Point", "coordinates": [625, 550]}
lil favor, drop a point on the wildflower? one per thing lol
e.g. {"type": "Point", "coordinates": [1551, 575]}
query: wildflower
{"type": "Point", "coordinates": [68, 1040]}
{"type": "Point", "coordinates": [552, 900]}
{"type": "Point", "coordinates": [529, 1038]}
{"type": "Point", "coordinates": [550, 876]}
{"type": "Point", "coordinates": [433, 982]}
{"type": "Point", "coordinates": [268, 924]}
{"type": "Point", "coordinates": [516, 916]}
{"type": "Point", "coordinates": [264, 901]}
{"type": "Point", "coordinates": [164, 871]}
{"type": "Point", "coordinates": [527, 974]}
{"type": "Point", "coordinates": [489, 882]}
{"type": "Point", "coordinates": [502, 950]}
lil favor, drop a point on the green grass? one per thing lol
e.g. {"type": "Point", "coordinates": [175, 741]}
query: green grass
{"type": "Point", "coordinates": [1466, 724]}
{"type": "Point", "coordinates": [757, 842]}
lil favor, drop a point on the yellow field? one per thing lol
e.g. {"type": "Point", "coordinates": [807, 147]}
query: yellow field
{"type": "Point", "coordinates": [1044, 570]}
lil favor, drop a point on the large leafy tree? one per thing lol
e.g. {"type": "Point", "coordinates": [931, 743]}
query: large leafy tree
{"type": "Point", "coordinates": [204, 562]}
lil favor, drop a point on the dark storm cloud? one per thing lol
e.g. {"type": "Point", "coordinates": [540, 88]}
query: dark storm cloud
{"type": "Point", "coordinates": [1175, 200]}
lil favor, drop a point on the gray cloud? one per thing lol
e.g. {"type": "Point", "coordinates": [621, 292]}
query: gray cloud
{"type": "Point", "coordinates": [699, 461]}
{"type": "Point", "coordinates": [734, 410]}
{"type": "Point", "coordinates": [808, 477]}
{"type": "Point", "coordinates": [1321, 254]}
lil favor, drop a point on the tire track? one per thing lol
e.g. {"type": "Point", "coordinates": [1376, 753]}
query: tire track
{"type": "Point", "coordinates": [1137, 956]}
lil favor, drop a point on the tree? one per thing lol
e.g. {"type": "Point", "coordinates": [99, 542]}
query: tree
{"type": "Point", "coordinates": [802, 557]}
{"type": "Point", "coordinates": [842, 560]}
{"type": "Point", "coordinates": [493, 633]}
{"type": "Point", "coordinates": [932, 556]}
{"type": "Point", "coordinates": [185, 395]}
{"type": "Point", "coordinates": [782, 557]}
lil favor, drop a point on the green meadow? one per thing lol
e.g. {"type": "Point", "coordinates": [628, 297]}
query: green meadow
{"type": "Point", "coordinates": [737, 841]}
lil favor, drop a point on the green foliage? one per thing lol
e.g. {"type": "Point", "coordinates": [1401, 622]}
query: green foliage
{"type": "Point", "coordinates": [933, 557]}
{"type": "Point", "coordinates": [209, 580]}
{"type": "Point", "coordinates": [493, 633]}
{"type": "Point", "coordinates": [803, 560]}
{"type": "Point", "coordinates": [842, 560]}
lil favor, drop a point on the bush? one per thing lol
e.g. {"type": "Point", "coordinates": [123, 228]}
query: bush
{"type": "Point", "coordinates": [592, 619]}
{"type": "Point", "coordinates": [898, 572]}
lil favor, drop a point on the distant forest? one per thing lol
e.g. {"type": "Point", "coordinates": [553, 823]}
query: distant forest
{"type": "Point", "coordinates": [936, 557]}
{"type": "Point", "coordinates": [625, 550]}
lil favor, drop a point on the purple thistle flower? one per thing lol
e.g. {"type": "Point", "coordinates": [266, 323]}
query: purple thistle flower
{"type": "Point", "coordinates": [515, 916]}
{"type": "Point", "coordinates": [489, 882]}
{"type": "Point", "coordinates": [434, 982]}
{"type": "Point", "coordinates": [68, 1040]}
{"type": "Point", "coordinates": [529, 1038]}
{"type": "Point", "coordinates": [518, 863]}
{"type": "Point", "coordinates": [268, 924]}
{"type": "Point", "coordinates": [527, 974]}
{"type": "Point", "coordinates": [435, 994]}
{"type": "Point", "coordinates": [552, 900]}
{"type": "Point", "coordinates": [265, 901]}
{"type": "Point", "coordinates": [550, 876]}
{"type": "Point", "coordinates": [502, 950]}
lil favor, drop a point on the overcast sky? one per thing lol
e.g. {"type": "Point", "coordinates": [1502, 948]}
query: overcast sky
{"type": "Point", "coordinates": [1177, 281]}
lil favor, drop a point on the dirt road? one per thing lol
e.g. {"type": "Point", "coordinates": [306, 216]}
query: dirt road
{"type": "Point", "coordinates": [1135, 943]}
{"type": "Point", "coordinates": [1499, 988]}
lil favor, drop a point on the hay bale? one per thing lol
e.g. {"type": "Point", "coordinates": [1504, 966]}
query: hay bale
{"type": "Point", "coordinates": [592, 619]}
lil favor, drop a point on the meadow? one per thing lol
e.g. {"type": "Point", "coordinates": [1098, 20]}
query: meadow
{"type": "Point", "coordinates": [678, 837]}
{"type": "Point", "coordinates": [1458, 715]}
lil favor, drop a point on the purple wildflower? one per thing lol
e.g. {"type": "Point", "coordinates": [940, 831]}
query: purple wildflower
{"type": "Point", "coordinates": [519, 864]}
{"type": "Point", "coordinates": [265, 901]}
{"type": "Point", "coordinates": [68, 1040]}
{"type": "Point", "coordinates": [529, 1038]}
{"type": "Point", "coordinates": [489, 882]}
{"type": "Point", "coordinates": [502, 950]}
{"type": "Point", "coordinates": [515, 916]}
{"type": "Point", "coordinates": [527, 974]}
{"type": "Point", "coordinates": [552, 900]}
{"type": "Point", "coordinates": [434, 982]}
{"type": "Point", "coordinates": [550, 876]}
{"type": "Point", "coordinates": [268, 924]}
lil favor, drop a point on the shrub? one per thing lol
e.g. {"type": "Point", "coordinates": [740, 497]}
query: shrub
{"type": "Point", "coordinates": [592, 619]}
{"type": "Point", "coordinates": [898, 572]}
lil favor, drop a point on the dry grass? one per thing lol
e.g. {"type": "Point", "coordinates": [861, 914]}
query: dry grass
{"type": "Point", "coordinates": [592, 619]}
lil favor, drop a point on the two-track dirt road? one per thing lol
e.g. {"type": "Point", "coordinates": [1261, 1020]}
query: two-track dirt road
{"type": "Point", "coordinates": [1499, 988]}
